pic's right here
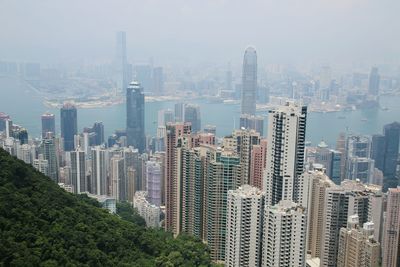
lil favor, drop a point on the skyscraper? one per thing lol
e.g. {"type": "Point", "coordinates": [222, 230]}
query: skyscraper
{"type": "Point", "coordinates": [135, 116]}
{"type": "Point", "coordinates": [244, 224]}
{"type": "Point", "coordinates": [285, 154]}
{"type": "Point", "coordinates": [249, 81]}
{"type": "Point", "coordinates": [258, 164]}
{"type": "Point", "coordinates": [391, 235]}
{"type": "Point", "coordinates": [179, 112]}
{"type": "Point", "coordinates": [374, 80]}
{"type": "Point", "coordinates": [192, 115]}
{"type": "Point", "coordinates": [165, 116]}
{"type": "Point", "coordinates": [121, 61]}
{"type": "Point", "coordinates": [48, 124]}
{"type": "Point", "coordinates": [284, 235]}
{"type": "Point", "coordinates": [69, 125]}
{"type": "Point", "coordinates": [378, 150]}
{"type": "Point", "coordinates": [392, 135]}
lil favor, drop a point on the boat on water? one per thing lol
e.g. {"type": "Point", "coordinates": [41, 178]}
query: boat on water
{"type": "Point", "coordinates": [364, 119]}
{"type": "Point", "coordinates": [341, 117]}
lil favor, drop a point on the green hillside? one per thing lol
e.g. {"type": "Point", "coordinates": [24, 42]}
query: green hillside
{"type": "Point", "coordinates": [42, 225]}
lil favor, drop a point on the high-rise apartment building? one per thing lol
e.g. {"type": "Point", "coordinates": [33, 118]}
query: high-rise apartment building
{"type": "Point", "coordinates": [69, 125]}
{"type": "Point", "coordinates": [48, 124]}
{"type": "Point", "coordinates": [174, 134]}
{"type": "Point", "coordinates": [78, 170]}
{"type": "Point", "coordinates": [249, 81]}
{"type": "Point", "coordinates": [285, 154]}
{"type": "Point", "coordinates": [99, 177]}
{"type": "Point", "coordinates": [391, 234]}
{"type": "Point", "coordinates": [191, 173]}
{"type": "Point", "coordinates": [258, 164]}
{"type": "Point", "coordinates": [351, 197]}
{"type": "Point", "coordinates": [317, 183]}
{"type": "Point", "coordinates": [242, 142]}
{"type": "Point", "coordinates": [223, 173]}
{"type": "Point", "coordinates": [135, 116]}
{"type": "Point", "coordinates": [357, 246]}
{"type": "Point", "coordinates": [244, 224]}
{"type": "Point", "coordinates": [284, 236]}
{"type": "Point", "coordinates": [117, 178]}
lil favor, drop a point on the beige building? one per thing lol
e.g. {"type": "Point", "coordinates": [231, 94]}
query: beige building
{"type": "Point", "coordinates": [391, 234]}
{"type": "Point", "coordinates": [357, 246]}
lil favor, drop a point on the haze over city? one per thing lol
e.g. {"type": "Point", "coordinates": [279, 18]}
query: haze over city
{"type": "Point", "coordinates": [200, 133]}
{"type": "Point", "coordinates": [194, 32]}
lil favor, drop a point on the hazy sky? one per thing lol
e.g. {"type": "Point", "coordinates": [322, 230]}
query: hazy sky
{"type": "Point", "coordinates": [55, 31]}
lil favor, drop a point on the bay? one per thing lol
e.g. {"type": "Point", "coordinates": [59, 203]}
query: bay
{"type": "Point", "coordinates": [25, 107]}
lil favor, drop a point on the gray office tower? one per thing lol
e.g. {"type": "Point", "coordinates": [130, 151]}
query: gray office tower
{"type": "Point", "coordinates": [69, 125]}
{"type": "Point", "coordinates": [135, 116]}
{"type": "Point", "coordinates": [249, 81]}
{"type": "Point", "coordinates": [374, 80]}
{"type": "Point", "coordinates": [48, 124]}
{"type": "Point", "coordinates": [192, 115]}
{"type": "Point", "coordinates": [121, 65]}
{"type": "Point", "coordinates": [392, 134]}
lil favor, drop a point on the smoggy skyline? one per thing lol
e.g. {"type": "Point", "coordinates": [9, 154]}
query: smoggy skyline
{"type": "Point", "coordinates": [188, 32]}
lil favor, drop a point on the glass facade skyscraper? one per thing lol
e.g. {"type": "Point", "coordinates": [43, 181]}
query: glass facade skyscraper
{"type": "Point", "coordinates": [69, 125]}
{"type": "Point", "coordinates": [249, 81]}
{"type": "Point", "coordinates": [135, 116]}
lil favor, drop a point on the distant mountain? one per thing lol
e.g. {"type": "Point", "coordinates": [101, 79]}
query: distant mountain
{"type": "Point", "coordinates": [42, 225]}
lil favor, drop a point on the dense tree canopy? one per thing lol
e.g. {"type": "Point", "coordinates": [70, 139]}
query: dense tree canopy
{"type": "Point", "coordinates": [41, 224]}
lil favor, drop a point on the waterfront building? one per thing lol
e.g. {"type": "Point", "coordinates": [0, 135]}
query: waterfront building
{"type": "Point", "coordinates": [48, 124]}
{"type": "Point", "coordinates": [158, 81]}
{"type": "Point", "coordinates": [244, 224]}
{"type": "Point", "coordinates": [69, 125]}
{"type": "Point", "coordinates": [249, 81]}
{"type": "Point", "coordinates": [192, 115]}
{"type": "Point", "coordinates": [135, 116]}
{"type": "Point", "coordinates": [374, 81]}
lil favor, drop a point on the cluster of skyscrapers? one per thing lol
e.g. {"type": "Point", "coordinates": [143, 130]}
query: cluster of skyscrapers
{"type": "Point", "coordinates": [256, 199]}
